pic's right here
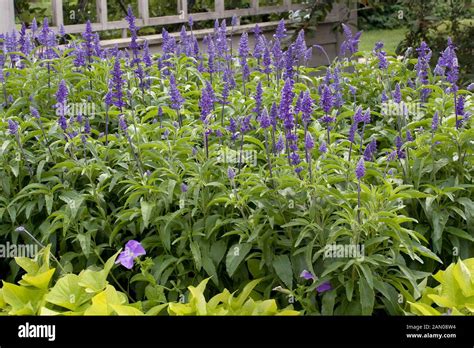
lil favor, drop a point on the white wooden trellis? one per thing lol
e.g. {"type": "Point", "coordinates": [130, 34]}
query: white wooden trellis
{"type": "Point", "coordinates": [7, 22]}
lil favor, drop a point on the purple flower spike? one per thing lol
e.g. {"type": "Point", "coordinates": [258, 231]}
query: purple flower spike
{"type": "Point", "coordinates": [435, 122]}
{"type": "Point", "coordinates": [326, 286]}
{"type": "Point", "coordinates": [323, 147]}
{"type": "Point", "coordinates": [133, 250]}
{"type": "Point", "coordinates": [351, 43]}
{"type": "Point", "coordinates": [307, 275]}
{"type": "Point", "coordinates": [397, 95]}
{"type": "Point", "coordinates": [360, 169]}
{"type": "Point", "coordinates": [230, 174]}
{"type": "Point", "coordinates": [280, 32]}
{"type": "Point", "coordinates": [280, 145]}
{"type": "Point", "coordinates": [184, 188]}
{"type": "Point", "coordinates": [308, 143]}
{"type": "Point", "coordinates": [12, 127]}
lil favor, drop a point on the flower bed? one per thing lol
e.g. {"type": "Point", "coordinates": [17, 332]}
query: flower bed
{"type": "Point", "coordinates": [338, 189]}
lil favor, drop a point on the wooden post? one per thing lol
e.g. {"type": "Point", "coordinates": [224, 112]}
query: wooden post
{"type": "Point", "coordinates": [7, 16]}
{"type": "Point", "coordinates": [254, 4]}
{"type": "Point", "coordinates": [219, 7]}
{"type": "Point", "coordinates": [57, 7]}
{"type": "Point", "coordinates": [101, 9]}
{"type": "Point", "coordinates": [143, 11]}
{"type": "Point", "coordinates": [184, 9]}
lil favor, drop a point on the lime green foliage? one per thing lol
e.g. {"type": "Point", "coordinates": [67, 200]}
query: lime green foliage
{"type": "Point", "coordinates": [90, 294]}
{"type": "Point", "coordinates": [85, 294]}
{"type": "Point", "coordinates": [225, 303]}
{"type": "Point", "coordinates": [454, 295]}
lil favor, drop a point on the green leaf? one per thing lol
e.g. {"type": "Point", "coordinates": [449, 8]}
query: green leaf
{"type": "Point", "coordinates": [367, 297]}
{"type": "Point", "coordinates": [146, 209]}
{"type": "Point", "coordinates": [67, 293]}
{"type": "Point", "coordinates": [235, 256]}
{"type": "Point", "coordinates": [328, 301]}
{"type": "Point", "coordinates": [196, 252]}
{"type": "Point", "coordinates": [217, 251]}
{"type": "Point", "coordinates": [282, 266]}
{"type": "Point", "coordinates": [367, 274]}
{"type": "Point", "coordinates": [41, 280]}
{"type": "Point", "coordinates": [423, 309]}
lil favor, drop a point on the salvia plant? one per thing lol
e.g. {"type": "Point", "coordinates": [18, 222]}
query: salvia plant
{"type": "Point", "coordinates": [341, 188]}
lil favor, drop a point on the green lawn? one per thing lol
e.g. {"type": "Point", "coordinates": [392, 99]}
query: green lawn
{"type": "Point", "coordinates": [390, 37]}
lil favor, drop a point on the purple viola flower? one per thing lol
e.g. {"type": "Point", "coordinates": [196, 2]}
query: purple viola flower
{"type": "Point", "coordinates": [13, 127]}
{"type": "Point", "coordinates": [184, 188]}
{"type": "Point", "coordinates": [307, 275]}
{"type": "Point", "coordinates": [133, 250]}
{"type": "Point", "coordinates": [470, 87]}
{"type": "Point", "coordinates": [360, 169]}
{"type": "Point", "coordinates": [326, 286]}
{"type": "Point", "coordinates": [351, 42]}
